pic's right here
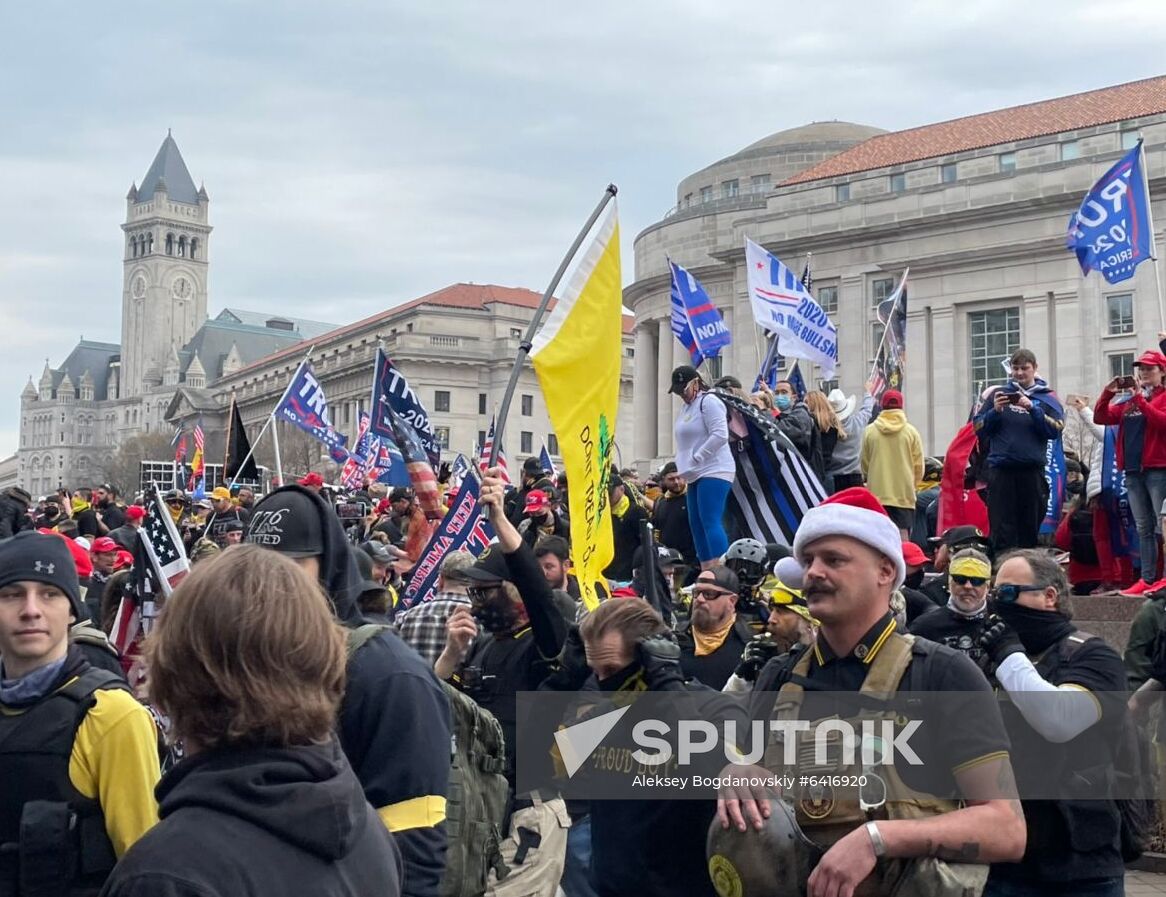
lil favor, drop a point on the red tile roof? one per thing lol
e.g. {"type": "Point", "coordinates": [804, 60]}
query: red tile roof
{"type": "Point", "coordinates": [458, 295]}
{"type": "Point", "coordinates": [1081, 110]}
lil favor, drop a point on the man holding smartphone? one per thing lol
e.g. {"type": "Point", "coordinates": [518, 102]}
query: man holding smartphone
{"type": "Point", "coordinates": [1140, 415]}
{"type": "Point", "coordinates": [1014, 425]}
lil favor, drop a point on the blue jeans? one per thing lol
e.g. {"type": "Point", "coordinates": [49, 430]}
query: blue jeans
{"type": "Point", "coordinates": [706, 516]}
{"type": "Point", "coordinates": [1147, 492]}
{"type": "Point", "coordinates": [576, 881]}
{"type": "Point", "coordinates": [1096, 887]}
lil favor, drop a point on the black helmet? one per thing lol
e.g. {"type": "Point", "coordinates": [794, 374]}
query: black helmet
{"type": "Point", "coordinates": [778, 859]}
{"type": "Point", "coordinates": [749, 560]}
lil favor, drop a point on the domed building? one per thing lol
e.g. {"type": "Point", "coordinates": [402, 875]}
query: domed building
{"type": "Point", "coordinates": [977, 208]}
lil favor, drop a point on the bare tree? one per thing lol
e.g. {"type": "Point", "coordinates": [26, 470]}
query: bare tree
{"type": "Point", "coordinates": [123, 469]}
{"type": "Point", "coordinates": [300, 453]}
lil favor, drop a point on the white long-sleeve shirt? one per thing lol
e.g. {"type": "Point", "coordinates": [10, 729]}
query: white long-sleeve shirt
{"type": "Point", "coordinates": [702, 440]}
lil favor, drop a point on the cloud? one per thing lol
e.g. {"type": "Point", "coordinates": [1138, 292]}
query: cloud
{"type": "Point", "coordinates": [359, 154]}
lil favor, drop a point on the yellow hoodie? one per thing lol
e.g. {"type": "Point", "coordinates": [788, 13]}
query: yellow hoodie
{"type": "Point", "coordinates": [892, 459]}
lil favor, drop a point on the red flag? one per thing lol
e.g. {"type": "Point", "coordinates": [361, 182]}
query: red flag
{"type": "Point", "coordinates": [959, 506]}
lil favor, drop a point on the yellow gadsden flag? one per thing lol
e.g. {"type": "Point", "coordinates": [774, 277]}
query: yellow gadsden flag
{"type": "Point", "coordinates": [576, 356]}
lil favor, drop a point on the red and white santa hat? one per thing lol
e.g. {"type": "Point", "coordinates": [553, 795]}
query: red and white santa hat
{"type": "Point", "coordinates": [853, 512]}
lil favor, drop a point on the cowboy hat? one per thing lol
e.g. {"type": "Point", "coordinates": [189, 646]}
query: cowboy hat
{"type": "Point", "coordinates": [842, 404]}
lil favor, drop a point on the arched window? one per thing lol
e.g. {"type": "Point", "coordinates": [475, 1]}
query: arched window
{"type": "Point", "coordinates": [149, 243]}
{"type": "Point", "coordinates": [170, 244]}
{"type": "Point", "coordinates": [134, 247]}
{"type": "Point", "coordinates": [182, 247]}
{"type": "Point", "coordinates": [194, 247]}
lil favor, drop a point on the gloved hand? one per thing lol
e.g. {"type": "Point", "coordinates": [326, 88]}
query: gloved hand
{"type": "Point", "coordinates": [659, 655]}
{"type": "Point", "coordinates": [760, 650]}
{"type": "Point", "coordinates": [572, 670]}
{"type": "Point", "coordinates": [999, 640]}
{"type": "Point", "coordinates": [444, 472]}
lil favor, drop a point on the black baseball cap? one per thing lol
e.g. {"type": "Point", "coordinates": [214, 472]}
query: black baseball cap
{"type": "Point", "coordinates": [287, 521]}
{"type": "Point", "coordinates": [681, 377]}
{"type": "Point", "coordinates": [962, 535]}
{"type": "Point", "coordinates": [719, 577]}
{"type": "Point", "coordinates": [489, 569]}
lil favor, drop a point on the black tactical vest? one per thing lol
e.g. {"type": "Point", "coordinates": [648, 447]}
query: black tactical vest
{"type": "Point", "coordinates": [53, 840]}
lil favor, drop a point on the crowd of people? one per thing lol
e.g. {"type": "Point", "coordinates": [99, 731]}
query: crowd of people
{"type": "Point", "coordinates": [293, 725]}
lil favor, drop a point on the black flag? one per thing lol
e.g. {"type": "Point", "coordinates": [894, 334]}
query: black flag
{"type": "Point", "coordinates": [238, 449]}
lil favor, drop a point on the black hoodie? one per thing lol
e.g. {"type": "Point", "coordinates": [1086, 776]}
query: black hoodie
{"type": "Point", "coordinates": [394, 721]}
{"type": "Point", "coordinates": [261, 821]}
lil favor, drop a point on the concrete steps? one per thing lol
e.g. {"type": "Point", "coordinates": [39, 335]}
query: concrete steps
{"type": "Point", "coordinates": [1108, 616]}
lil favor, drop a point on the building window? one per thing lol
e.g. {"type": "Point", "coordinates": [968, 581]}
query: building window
{"type": "Point", "coordinates": [442, 434]}
{"type": "Point", "coordinates": [898, 183]}
{"type": "Point", "coordinates": [706, 194]}
{"type": "Point", "coordinates": [948, 173]}
{"type": "Point", "coordinates": [759, 183]}
{"type": "Point", "coordinates": [481, 403]}
{"type": "Point", "coordinates": [516, 333]}
{"type": "Point", "coordinates": [992, 338]}
{"type": "Point", "coordinates": [877, 329]}
{"type": "Point", "coordinates": [441, 400]}
{"type": "Point", "coordinates": [525, 441]}
{"type": "Point", "coordinates": [1129, 139]}
{"type": "Point", "coordinates": [827, 385]}
{"type": "Point", "coordinates": [730, 189]}
{"type": "Point", "coordinates": [1121, 364]}
{"type": "Point", "coordinates": [527, 406]}
{"type": "Point", "coordinates": [687, 200]}
{"type": "Point", "coordinates": [842, 193]}
{"type": "Point", "coordinates": [629, 351]}
{"type": "Point", "coordinates": [1119, 313]}
{"type": "Point", "coordinates": [1070, 150]}
{"type": "Point", "coordinates": [828, 299]}
{"type": "Point", "coordinates": [1007, 162]}
{"type": "Point", "coordinates": [881, 289]}
{"type": "Point", "coordinates": [481, 439]}
{"type": "Point", "coordinates": [552, 444]}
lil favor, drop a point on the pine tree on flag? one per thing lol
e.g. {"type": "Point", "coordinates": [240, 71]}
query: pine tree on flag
{"type": "Point", "coordinates": [500, 462]}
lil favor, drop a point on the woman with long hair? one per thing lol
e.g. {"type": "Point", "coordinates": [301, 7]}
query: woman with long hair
{"type": "Point", "coordinates": [248, 663]}
{"type": "Point", "coordinates": [704, 459]}
{"type": "Point", "coordinates": [828, 424]}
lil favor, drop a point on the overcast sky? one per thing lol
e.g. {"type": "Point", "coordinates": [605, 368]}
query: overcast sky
{"type": "Point", "coordinates": [358, 155]}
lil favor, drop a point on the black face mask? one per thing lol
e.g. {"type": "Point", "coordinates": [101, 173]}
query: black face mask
{"type": "Point", "coordinates": [620, 679]}
{"type": "Point", "coordinates": [1075, 488]}
{"type": "Point", "coordinates": [497, 618]}
{"type": "Point", "coordinates": [1038, 629]}
{"type": "Point", "coordinates": [914, 580]}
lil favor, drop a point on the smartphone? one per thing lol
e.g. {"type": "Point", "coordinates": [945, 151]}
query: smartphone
{"type": "Point", "coordinates": [1013, 398]}
{"type": "Point", "coordinates": [1127, 383]}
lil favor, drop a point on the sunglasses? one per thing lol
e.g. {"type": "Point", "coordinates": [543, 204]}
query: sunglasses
{"type": "Point", "coordinates": [482, 594]}
{"type": "Point", "coordinates": [965, 580]}
{"type": "Point", "coordinates": [709, 594]}
{"type": "Point", "coordinates": [1009, 593]}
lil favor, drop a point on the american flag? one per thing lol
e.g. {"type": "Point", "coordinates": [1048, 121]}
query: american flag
{"type": "Point", "coordinates": [159, 565]}
{"type": "Point", "coordinates": [500, 461]}
{"type": "Point", "coordinates": [196, 462]}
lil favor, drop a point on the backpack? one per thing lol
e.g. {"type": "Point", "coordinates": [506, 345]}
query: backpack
{"type": "Point", "coordinates": [476, 801]}
{"type": "Point", "coordinates": [1129, 756]}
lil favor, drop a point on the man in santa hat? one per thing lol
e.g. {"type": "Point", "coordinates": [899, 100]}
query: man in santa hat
{"type": "Point", "coordinates": [848, 560]}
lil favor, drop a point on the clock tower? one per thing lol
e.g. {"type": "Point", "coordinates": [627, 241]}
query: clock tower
{"type": "Point", "coordinates": [164, 298]}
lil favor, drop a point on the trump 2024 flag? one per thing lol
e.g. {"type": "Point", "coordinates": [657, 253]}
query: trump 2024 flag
{"type": "Point", "coordinates": [782, 303]}
{"type": "Point", "coordinates": [576, 356]}
{"type": "Point", "coordinates": [1111, 232]}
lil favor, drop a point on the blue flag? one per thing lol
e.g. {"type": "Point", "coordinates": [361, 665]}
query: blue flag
{"type": "Point", "coordinates": [1111, 231]}
{"type": "Point", "coordinates": [461, 528]}
{"type": "Point", "coordinates": [695, 320]}
{"type": "Point", "coordinates": [1055, 475]}
{"type": "Point", "coordinates": [545, 462]}
{"type": "Point", "coordinates": [390, 390]}
{"type": "Point", "coordinates": [1115, 500]}
{"type": "Point", "coordinates": [305, 405]}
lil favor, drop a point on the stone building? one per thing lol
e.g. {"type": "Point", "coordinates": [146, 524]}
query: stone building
{"type": "Point", "coordinates": [73, 418]}
{"type": "Point", "coordinates": [977, 207]}
{"type": "Point", "coordinates": [456, 347]}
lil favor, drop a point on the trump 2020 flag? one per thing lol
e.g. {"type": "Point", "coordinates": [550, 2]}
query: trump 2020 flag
{"type": "Point", "coordinates": [576, 356]}
{"type": "Point", "coordinates": [695, 320]}
{"type": "Point", "coordinates": [462, 529]}
{"type": "Point", "coordinates": [783, 304]}
{"type": "Point", "coordinates": [305, 405]}
{"type": "Point", "coordinates": [1111, 232]}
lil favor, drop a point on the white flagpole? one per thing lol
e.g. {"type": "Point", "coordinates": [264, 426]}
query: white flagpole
{"type": "Point", "coordinates": [1153, 236]}
{"type": "Point", "coordinates": [275, 442]}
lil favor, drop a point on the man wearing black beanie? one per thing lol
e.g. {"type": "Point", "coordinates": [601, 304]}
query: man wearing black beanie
{"type": "Point", "coordinates": [71, 789]}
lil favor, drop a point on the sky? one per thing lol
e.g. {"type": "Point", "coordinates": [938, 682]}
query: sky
{"type": "Point", "coordinates": [361, 154]}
